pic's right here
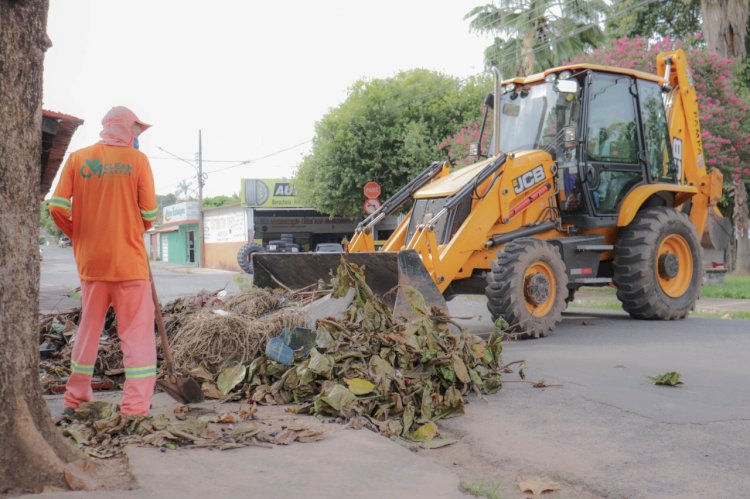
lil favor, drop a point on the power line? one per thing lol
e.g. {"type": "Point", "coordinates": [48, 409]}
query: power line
{"type": "Point", "coordinates": [246, 162]}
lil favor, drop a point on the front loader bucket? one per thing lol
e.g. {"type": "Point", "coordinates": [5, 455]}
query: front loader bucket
{"type": "Point", "coordinates": [385, 273]}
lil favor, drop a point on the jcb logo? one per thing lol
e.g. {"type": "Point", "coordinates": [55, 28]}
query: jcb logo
{"type": "Point", "coordinates": [528, 179]}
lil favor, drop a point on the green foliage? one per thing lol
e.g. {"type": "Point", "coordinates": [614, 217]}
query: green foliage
{"type": "Point", "coordinates": [216, 201]}
{"type": "Point", "coordinates": [165, 200]}
{"type": "Point", "coordinates": [46, 222]}
{"type": "Point", "coordinates": [481, 489]}
{"type": "Point", "coordinates": [737, 287]}
{"type": "Point", "coordinates": [670, 378]}
{"type": "Point", "coordinates": [655, 20]}
{"type": "Point", "coordinates": [387, 130]}
{"type": "Point", "coordinates": [531, 35]}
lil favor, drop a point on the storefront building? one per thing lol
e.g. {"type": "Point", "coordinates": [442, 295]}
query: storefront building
{"type": "Point", "coordinates": [178, 238]}
{"type": "Point", "coordinates": [225, 230]}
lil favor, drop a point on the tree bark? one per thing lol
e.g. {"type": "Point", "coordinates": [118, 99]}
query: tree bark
{"type": "Point", "coordinates": [740, 219]}
{"type": "Point", "coordinates": [724, 29]}
{"type": "Point", "coordinates": [32, 451]}
{"type": "Point", "coordinates": [724, 26]}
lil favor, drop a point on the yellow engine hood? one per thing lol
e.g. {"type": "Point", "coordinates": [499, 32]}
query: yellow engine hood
{"type": "Point", "coordinates": [450, 184]}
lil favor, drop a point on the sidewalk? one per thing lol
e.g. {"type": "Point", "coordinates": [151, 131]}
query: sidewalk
{"type": "Point", "coordinates": [347, 464]}
{"type": "Point", "coordinates": [187, 269]}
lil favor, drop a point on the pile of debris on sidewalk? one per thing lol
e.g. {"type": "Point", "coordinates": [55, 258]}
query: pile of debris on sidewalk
{"type": "Point", "coordinates": [208, 329]}
{"type": "Point", "coordinates": [366, 366]}
{"type": "Point", "coordinates": [101, 431]}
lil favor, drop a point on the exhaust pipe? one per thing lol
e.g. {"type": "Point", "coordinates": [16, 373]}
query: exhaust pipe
{"type": "Point", "coordinates": [496, 112]}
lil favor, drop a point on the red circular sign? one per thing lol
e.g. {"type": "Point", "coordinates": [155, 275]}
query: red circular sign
{"type": "Point", "coordinates": [371, 205]}
{"type": "Point", "coordinates": [372, 190]}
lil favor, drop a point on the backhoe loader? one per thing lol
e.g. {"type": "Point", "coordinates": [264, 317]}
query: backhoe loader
{"type": "Point", "coordinates": [596, 177]}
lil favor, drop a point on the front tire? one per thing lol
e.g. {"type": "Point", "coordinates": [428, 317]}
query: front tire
{"type": "Point", "coordinates": [527, 286]}
{"type": "Point", "coordinates": [658, 265]}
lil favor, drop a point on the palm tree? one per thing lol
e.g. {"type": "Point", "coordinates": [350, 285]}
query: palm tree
{"type": "Point", "coordinates": [183, 189]}
{"type": "Point", "coordinates": [531, 35]}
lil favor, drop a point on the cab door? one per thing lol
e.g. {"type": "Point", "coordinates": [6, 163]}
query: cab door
{"type": "Point", "coordinates": [613, 161]}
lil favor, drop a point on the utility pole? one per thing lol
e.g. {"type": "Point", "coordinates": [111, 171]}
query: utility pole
{"type": "Point", "coordinates": [200, 200]}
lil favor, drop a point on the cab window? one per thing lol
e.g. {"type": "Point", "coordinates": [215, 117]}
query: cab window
{"type": "Point", "coordinates": [612, 141]}
{"type": "Point", "coordinates": [612, 128]}
{"type": "Point", "coordinates": [655, 133]}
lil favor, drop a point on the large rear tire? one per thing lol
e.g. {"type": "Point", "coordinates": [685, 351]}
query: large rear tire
{"type": "Point", "coordinates": [527, 286]}
{"type": "Point", "coordinates": [245, 256]}
{"type": "Point", "coordinates": [658, 265]}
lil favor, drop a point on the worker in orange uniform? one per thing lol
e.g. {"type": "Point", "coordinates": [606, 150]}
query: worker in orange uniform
{"type": "Point", "coordinates": [104, 202]}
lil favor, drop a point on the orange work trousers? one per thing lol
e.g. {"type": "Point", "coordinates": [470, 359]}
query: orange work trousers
{"type": "Point", "coordinates": [134, 308]}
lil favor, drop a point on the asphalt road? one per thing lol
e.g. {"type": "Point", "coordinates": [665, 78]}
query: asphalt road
{"type": "Point", "coordinates": [59, 278]}
{"type": "Point", "coordinates": [606, 431]}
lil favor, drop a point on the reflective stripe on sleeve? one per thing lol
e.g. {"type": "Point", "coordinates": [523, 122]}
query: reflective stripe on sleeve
{"type": "Point", "coordinates": [140, 372]}
{"type": "Point", "coordinates": [60, 202]}
{"type": "Point", "coordinates": [149, 216]}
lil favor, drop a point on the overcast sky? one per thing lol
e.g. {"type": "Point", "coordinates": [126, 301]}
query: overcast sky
{"type": "Point", "coordinates": [254, 76]}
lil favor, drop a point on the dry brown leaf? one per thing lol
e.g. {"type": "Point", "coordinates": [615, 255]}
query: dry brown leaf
{"type": "Point", "coordinates": [285, 437]}
{"type": "Point", "coordinates": [227, 418]}
{"type": "Point", "coordinates": [309, 436]}
{"type": "Point", "coordinates": [248, 413]}
{"type": "Point", "coordinates": [211, 391]}
{"type": "Point", "coordinates": [537, 485]}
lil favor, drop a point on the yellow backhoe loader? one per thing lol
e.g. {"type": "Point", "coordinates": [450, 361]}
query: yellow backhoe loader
{"type": "Point", "coordinates": [597, 177]}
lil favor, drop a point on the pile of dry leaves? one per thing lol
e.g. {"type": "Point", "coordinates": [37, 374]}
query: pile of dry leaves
{"type": "Point", "coordinates": [395, 376]}
{"type": "Point", "coordinates": [101, 431]}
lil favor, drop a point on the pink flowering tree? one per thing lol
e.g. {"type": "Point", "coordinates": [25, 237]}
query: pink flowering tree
{"type": "Point", "coordinates": [458, 145]}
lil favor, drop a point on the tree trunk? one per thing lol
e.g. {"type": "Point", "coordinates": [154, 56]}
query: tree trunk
{"type": "Point", "coordinates": [32, 451]}
{"type": "Point", "coordinates": [740, 219]}
{"type": "Point", "coordinates": [724, 26]}
{"type": "Point", "coordinates": [528, 59]}
{"type": "Point", "coordinates": [724, 29]}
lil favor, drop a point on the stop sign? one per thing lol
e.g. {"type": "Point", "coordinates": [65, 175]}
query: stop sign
{"type": "Point", "coordinates": [372, 190]}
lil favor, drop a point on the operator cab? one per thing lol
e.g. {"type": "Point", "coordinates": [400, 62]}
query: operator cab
{"type": "Point", "coordinates": [606, 131]}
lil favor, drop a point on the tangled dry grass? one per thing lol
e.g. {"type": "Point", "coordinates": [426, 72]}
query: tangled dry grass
{"type": "Point", "coordinates": [215, 340]}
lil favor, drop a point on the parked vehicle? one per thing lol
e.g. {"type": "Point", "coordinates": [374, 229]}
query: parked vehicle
{"type": "Point", "coordinates": [64, 242]}
{"type": "Point", "coordinates": [329, 248]}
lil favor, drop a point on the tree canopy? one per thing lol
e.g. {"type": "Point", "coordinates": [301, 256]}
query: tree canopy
{"type": "Point", "coordinates": [386, 131]}
{"type": "Point", "coordinates": [221, 200]}
{"type": "Point", "coordinates": [677, 18]}
{"type": "Point", "coordinates": [532, 35]}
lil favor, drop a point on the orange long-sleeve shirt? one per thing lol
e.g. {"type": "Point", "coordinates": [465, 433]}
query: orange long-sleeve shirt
{"type": "Point", "coordinates": [104, 202]}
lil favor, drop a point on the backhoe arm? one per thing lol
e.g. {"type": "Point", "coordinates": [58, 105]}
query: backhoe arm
{"type": "Point", "coordinates": [681, 105]}
{"type": "Point", "coordinates": [363, 239]}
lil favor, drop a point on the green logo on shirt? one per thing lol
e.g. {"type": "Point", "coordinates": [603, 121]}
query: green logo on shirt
{"type": "Point", "coordinates": [95, 167]}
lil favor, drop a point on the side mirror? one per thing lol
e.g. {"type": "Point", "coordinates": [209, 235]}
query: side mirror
{"type": "Point", "coordinates": [567, 86]}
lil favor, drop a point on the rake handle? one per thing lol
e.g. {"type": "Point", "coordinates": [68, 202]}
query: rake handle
{"type": "Point", "coordinates": [160, 325]}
